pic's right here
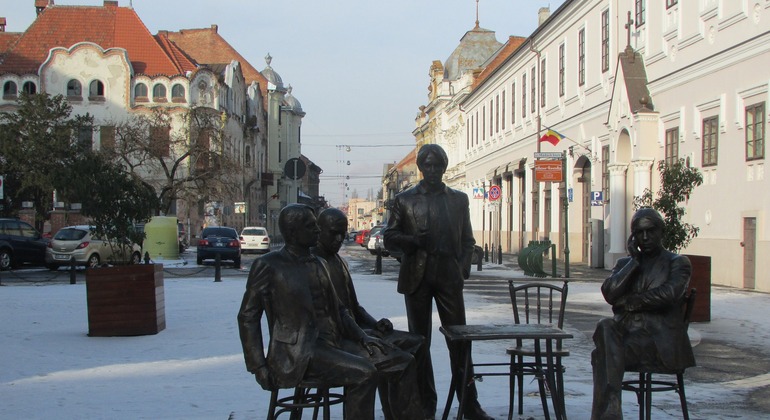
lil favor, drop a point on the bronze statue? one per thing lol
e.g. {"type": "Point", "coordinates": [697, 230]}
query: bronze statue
{"type": "Point", "coordinates": [430, 224]}
{"type": "Point", "coordinates": [398, 380]}
{"type": "Point", "coordinates": [647, 332]}
{"type": "Point", "coordinates": [312, 336]}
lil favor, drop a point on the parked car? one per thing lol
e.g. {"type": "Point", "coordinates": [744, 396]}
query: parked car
{"type": "Point", "coordinates": [360, 237]}
{"type": "Point", "coordinates": [182, 235]}
{"type": "Point", "coordinates": [20, 243]}
{"type": "Point", "coordinates": [222, 241]}
{"type": "Point", "coordinates": [255, 239]}
{"type": "Point", "coordinates": [78, 242]}
{"type": "Point", "coordinates": [352, 235]}
{"type": "Point", "coordinates": [375, 241]}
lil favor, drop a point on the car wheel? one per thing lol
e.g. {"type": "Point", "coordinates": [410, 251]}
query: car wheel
{"type": "Point", "coordinates": [5, 260]}
{"type": "Point", "coordinates": [237, 263]}
{"type": "Point", "coordinates": [52, 267]}
{"type": "Point", "coordinates": [136, 258]}
{"type": "Point", "coordinates": [181, 248]}
{"type": "Point", "coordinates": [199, 260]}
{"type": "Point", "coordinates": [93, 261]}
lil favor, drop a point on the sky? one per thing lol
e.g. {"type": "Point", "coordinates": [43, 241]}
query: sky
{"type": "Point", "coordinates": [194, 368]}
{"type": "Point", "coordinates": [358, 67]}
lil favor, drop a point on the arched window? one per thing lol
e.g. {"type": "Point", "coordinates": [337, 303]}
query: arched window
{"type": "Point", "coordinates": [96, 89]}
{"type": "Point", "coordinates": [140, 92]}
{"type": "Point", "coordinates": [74, 89]}
{"type": "Point", "coordinates": [9, 89]}
{"type": "Point", "coordinates": [177, 93]}
{"type": "Point", "coordinates": [29, 87]}
{"type": "Point", "coordinates": [159, 93]}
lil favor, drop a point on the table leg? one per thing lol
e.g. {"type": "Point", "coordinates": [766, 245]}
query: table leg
{"type": "Point", "coordinates": [453, 387]}
{"type": "Point", "coordinates": [557, 398]}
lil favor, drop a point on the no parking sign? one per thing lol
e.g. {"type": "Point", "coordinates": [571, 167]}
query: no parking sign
{"type": "Point", "coordinates": [494, 192]}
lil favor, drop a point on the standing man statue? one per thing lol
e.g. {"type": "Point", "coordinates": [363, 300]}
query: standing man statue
{"type": "Point", "coordinates": [647, 332]}
{"type": "Point", "coordinates": [398, 377]}
{"type": "Point", "coordinates": [312, 336]}
{"type": "Point", "coordinates": [430, 224]}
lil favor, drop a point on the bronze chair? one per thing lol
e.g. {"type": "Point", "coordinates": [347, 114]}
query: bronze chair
{"type": "Point", "coordinates": [644, 386]}
{"type": "Point", "coordinates": [536, 303]}
{"type": "Point", "coordinates": [306, 395]}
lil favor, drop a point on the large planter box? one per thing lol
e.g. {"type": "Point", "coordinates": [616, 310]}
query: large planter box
{"type": "Point", "coordinates": [125, 300]}
{"type": "Point", "coordinates": [701, 281]}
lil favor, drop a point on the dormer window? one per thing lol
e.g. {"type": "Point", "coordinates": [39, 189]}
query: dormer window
{"type": "Point", "coordinates": [178, 93]}
{"type": "Point", "coordinates": [9, 90]}
{"type": "Point", "coordinates": [140, 93]}
{"type": "Point", "coordinates": [159, 93]}
{"type": "Point", "coordinates": [74, 90]}
{"type": "Point", "coordinates": [96, 91]}
{"type": "Point", "coordinates": [29, 88]}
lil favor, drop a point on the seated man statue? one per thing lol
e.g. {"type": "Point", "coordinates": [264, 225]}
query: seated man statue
{"type": "Point", "coordinates": [398, 381]}
{"type": "Point", "coordinates": [312, 336]}
{"type": "Point", "coordinates": [647, 333]}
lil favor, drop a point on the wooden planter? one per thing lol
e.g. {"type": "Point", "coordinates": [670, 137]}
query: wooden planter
{"type": "Point", "coordinates": [125, 300]}
{"type": "Point", "coordinates": [701, 281]}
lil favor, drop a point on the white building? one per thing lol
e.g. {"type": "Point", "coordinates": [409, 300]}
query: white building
{"type": "Point", "coordinates": [628, 84]}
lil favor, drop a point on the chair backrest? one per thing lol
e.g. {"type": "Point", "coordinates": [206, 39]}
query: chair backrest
{"type": "Point", "coordinates": [538, 303]}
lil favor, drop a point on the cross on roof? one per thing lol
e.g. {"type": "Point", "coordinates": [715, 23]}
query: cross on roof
{"type": "Point", "coordinates": [628, 24]}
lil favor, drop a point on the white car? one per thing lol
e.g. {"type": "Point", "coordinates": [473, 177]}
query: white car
{"type": "Point", "coordinates": [375, 241]}
{"type": "Point", "coordinates": [256, 239]}
{"type": "Point", "coordinates": [76, 242]}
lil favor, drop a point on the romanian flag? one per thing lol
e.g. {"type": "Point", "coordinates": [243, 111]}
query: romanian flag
{"type": "Point", "coordinates": [551, 136]}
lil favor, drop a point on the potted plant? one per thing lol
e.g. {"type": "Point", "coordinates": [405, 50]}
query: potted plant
{"type": "Point", "coordinates": [123, 298]}
{"type": "Point", "coordinates": [677, 182]}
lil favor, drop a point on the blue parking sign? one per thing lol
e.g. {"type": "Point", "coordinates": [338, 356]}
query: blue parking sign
{"type": "Point", "coordinates": [597, 198]}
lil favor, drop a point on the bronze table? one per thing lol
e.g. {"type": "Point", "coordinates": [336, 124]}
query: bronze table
{"type": "Point", "coordinates": [546, 332]}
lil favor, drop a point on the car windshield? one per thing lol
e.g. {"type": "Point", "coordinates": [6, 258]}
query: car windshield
{"type": "Point", "coordinates": [219, 231]}
{"type": "Point", "coordinates": [254, 232]}
{"type": "Point", "coordinates": [70, 234]}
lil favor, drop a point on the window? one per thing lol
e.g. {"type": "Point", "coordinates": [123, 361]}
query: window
{"type": "Point", "coordinates": [160, 140]}
{"type": "Point", "coordinates": [177, 93]}
{"type": "Point", "coordinates": [29, 88]}
{"type": "Point", "coordinates": [606, 173]}
{"type": "Point", "coordinates": [502, 110]}
{"type": "Point", "coordinates": [605, 40]}
{"type": "Point", "coordinates": [581, 57]}
{"type": "Point", "coordinates": [491, 118]}
{"type": "Point", "coordinates": [672, 145]}
{"type": "Point", "coordinates": [107, 137]}
{"type": "Point", "coordinates": [524, 95]}
{"type": "Point", "coordinates": [140, 92]}
{"type": "Point", "coordinates": [640, 12]}
{"type": "Point", "coordinates": [483, 121]}
{"type": "Point", "coordinates": [74, 89]}
{"type": "Point", "coordinates": [85, 137]}
{"type": "Point", "coordinates": [9, 89]}
{"type": "Point", "coordinates": [533, 98]}
{"type": "Point", "coordinates": [671, 3]}
{"type": "Point", "coordinates": [497, 113]}
{"type": "Point", "coordinates": [561, 70]}
{"type": "Point", "coordinates": [755, 131]}
{"type": "Point", "coordinates": [710, 140]}
{"type": "Point", "coordinates": [96, 89]}
{"type": "Point", "coordinates": [513, 103]}
{"type": "Point", "coordinates": [159, 93]}
{"type": "Point", "coordinates": [542, 83]}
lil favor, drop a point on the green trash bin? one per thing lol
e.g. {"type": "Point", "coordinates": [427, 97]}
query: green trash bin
{"type": "Point", "coordinates": [161, 239]}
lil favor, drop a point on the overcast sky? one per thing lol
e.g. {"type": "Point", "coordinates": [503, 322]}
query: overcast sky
{"type": "Point", "coordinates": [358, 67]}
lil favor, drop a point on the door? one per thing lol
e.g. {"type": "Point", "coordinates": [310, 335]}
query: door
{"type": "Point", "coordinates": [749, 251]}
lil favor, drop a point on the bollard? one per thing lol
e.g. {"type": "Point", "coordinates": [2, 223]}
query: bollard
{"type": "Point", "coordinates": [500, 254]}
{"type": "Point", "coordinates": [478, 259]}
{"type": "Point", "coordinates": [72, 270]}
{"type": "Point", "coordinates": [218, 268]}
{"type": "Point", "coordinates": [146, 257]}
{"type": "Point", "coordinates": [486, 253]}
{"type": "Point", "coordinates": [378, 262]}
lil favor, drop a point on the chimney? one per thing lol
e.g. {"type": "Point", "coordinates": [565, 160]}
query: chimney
{"type": "Point", "coordinates": [2, 24]}
{"type": "Point", "coordinates": [215, 28]}
{"type": "Point", "coordinates": [40, 5]}
{"type": "Point", "coordinates": [110, 3]}
{"type": "Point", "coordinates": [542, 15]}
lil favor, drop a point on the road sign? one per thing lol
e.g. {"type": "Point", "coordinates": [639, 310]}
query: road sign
{"type": "Point", "coordinates": [548, 155]}
{"type": "Point", "coordinates": [597, 198]}
{"type": "Point", "coordinates": [478, 193]}
{"type": "Point", "coordinates": [494, 192]}
{"type": "Point", "coordinates": [240, 207]}
{"type": "Point", "coordinates": [294, 168]}
{"type": "Point", "coordinates": [548, 171]}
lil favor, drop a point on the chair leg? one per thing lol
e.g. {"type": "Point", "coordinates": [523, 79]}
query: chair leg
{"type": "Point", "coordinates": [273, 402]}
{"type": "Point", "coordinates": [647, 395]}
{"type": "Point", "coordinates": [299, 396]}
{"type": "Point", "coordinates": [511, 387]}
{"type": "Point", "coordinates": [682, 397]}
{"type": "Point", "coordinates": [520, 378]}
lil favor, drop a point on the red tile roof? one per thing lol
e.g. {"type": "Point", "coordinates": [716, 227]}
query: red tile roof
{"type": "Point", "coordinates": [206, 46]}
{"type": "Point", "coordinates": [108, 26]}
{"type": "Point", "coordinates": [510, 47]}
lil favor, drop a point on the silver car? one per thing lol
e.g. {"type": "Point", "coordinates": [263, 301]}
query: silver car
{"type": "Point", "coordinates": [78, 243]}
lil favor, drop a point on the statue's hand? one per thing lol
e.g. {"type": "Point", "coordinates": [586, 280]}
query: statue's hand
{"type": "Point", "coordinates": [263, 378]}
{"type": "Point", "coordinates": [370, 343]}
{"type": "Point", "coordinates": [633, 248]}
{"type": "Point", "coordinates": [384, 325]}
